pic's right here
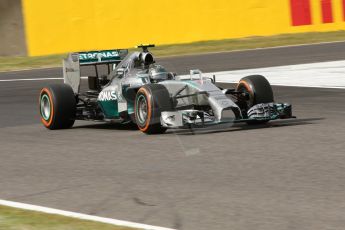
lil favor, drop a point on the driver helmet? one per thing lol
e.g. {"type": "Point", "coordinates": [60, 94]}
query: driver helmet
{"type": "Point", "coordinates": [158, 73]}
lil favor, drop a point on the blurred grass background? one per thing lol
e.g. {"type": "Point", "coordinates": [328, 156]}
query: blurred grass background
{"type": "Point", "coordinates": [19, 62]}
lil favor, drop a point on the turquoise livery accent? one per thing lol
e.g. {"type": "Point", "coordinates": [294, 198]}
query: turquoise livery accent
{"type": "Point", "coordinates": [101, 56]}
{"type": "Point", "coordinates": [109, 108]}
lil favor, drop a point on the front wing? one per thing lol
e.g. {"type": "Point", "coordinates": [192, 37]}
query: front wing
{"type": "Point", "coordinates": [196, 118]}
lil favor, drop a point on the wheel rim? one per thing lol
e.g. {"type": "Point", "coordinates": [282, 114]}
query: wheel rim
{"type": "Point", "coordinates": [45, 107]}
{"type": "Point", "coordinates": [142, 109]}
{"type": "Point", "coordinates": [249, 101]}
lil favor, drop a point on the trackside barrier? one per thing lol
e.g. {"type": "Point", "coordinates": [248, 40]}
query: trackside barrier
{"type": "Point", "coordinates": [60, 26]}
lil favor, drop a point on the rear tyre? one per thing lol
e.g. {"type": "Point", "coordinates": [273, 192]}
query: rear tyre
{"type": "Point", "coordinates": [150, 101]}
{"type": "Point", "coordinates": [259, 90]}
{"type": "Point", "coordinates": [57, 104]}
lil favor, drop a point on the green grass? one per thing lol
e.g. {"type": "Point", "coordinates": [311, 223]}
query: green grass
{"type": "Point", "coordinates": [12, 63]}
{"type": "Point", "coordinates": [17, 219]}
{"type": "Point", "coordinates": [17, 63]}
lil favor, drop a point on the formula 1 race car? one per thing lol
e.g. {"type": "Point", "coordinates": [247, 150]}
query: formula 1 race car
{"type": "Point", "coordinates": [137, 89]}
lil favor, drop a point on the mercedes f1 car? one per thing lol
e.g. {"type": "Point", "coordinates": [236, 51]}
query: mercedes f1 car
{"type": "Point", "coordinates": [137, 89]}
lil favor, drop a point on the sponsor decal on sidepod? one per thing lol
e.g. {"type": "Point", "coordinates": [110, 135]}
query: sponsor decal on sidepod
{"type": "Point", "coordinates": [107, 96]}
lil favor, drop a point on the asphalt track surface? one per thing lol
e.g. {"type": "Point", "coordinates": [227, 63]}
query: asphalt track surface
{"type": "Point", "coordinates": [285, 175]}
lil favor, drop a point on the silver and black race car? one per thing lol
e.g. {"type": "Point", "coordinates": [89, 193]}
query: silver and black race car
{"type": "Point", "coordinates": [137, 89]}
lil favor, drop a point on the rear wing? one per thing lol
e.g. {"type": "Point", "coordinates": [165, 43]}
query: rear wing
{"type": "Point", "coordinates": [102, 57]}
{"type": "Point", "coordinates": [73, 62]}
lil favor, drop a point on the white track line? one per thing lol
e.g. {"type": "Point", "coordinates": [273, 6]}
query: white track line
{"type": "Point", "coordinates": [319, 75]}
{"type": "Point", "coordinates": [34, 79]}
{"type": "Point", "coordinates": [31, 79]}
{"type": "Point", "coordinates": [80, 216]}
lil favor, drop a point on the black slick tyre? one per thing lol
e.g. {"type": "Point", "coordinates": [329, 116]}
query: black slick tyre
{"type": "Point", "coordinates": [259, 91]}
{"type": "Point", "coordinates": [150, 101]}
{"type": "Point", "coordinates": [57, 106]}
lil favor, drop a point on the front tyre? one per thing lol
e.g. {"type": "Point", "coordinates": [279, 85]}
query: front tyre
{"type": "Point", "coordinates": [57, 105]}
{"type": "Point", "coordinates": [259, 91]}
{"type": "Point", "coordinates": [150, 101]}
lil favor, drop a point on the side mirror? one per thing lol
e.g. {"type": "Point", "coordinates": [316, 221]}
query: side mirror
{"type": "Point", "coordinates": [195, 72]}
{"type": "Point", "coordinates": [120, 72]}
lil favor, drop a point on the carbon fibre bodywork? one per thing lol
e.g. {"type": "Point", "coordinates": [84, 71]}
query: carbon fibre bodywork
{"type": "Point", "coordinates": [195, 101]}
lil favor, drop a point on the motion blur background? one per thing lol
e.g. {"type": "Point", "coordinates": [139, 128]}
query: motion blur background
{"type": "Point", "coordinates": [285, 175]}
{"type": "Point", "coordinates": [40, 27]}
